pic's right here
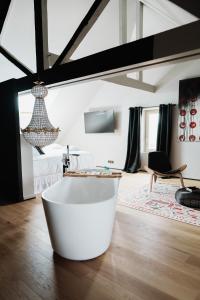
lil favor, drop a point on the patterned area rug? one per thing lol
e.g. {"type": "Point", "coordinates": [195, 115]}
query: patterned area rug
{"type": "Point", "coordinates": [160, 201]}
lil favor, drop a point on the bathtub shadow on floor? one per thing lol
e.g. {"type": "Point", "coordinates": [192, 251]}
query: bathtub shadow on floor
{"type": "Point", "coordinates": [79, 279]}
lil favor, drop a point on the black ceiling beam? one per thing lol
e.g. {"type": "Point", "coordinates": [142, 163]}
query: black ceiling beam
{"type": "Point", "coordinates": [84, 27]}
{"type": "Point", "coordinates": [13, 60]}
{"type": "Point", "coordinates": [192, 6]}
{"type": "Point", "coordinates": [180, 43]}
{"type": "Point", "coordinates": [4, 6]}
{"type": "Point", "coordinates": [41, 35]}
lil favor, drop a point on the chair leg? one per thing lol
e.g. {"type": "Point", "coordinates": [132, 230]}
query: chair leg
{"type": "Point", "coordinates": [181, 179]}
{"type": "Point", "coordinates": [155, 178]}
{"type": "Point", "coordinates": [151, 182]}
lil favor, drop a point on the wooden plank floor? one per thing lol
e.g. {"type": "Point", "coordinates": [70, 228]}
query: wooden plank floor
{"type": "Point", "coordinates": [150, 258]}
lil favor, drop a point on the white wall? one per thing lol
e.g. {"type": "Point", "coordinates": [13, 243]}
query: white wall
{"type": "Point", "coordinates": [69, 105]}
{"type": "Point", "coordinates": [109, 146]}
{"type": "Point", "coordinates": [27, 169]}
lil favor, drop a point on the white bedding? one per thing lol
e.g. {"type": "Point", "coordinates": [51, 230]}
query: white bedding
{"type": "Point", "coordinates": [48, 168]}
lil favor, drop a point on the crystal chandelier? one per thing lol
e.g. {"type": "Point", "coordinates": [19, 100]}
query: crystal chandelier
{"type": "Point", "coordinates": [40, 132]}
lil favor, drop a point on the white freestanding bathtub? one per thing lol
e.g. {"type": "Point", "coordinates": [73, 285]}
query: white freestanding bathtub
{"type": "Point", "coordinates": [80, 215]}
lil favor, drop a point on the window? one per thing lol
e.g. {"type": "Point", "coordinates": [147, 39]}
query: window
{"type": "Point", "coordinates": [149, 129]}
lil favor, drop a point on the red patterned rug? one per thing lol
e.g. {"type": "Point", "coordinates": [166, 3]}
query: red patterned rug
{"type": "Point", "coordinates": [160, 201]}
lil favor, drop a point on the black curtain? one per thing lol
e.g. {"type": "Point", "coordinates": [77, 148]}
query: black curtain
{"type": "Point", "coordinates": [133, 161]}
{"type": "Point", "coordinates": [164, 135]}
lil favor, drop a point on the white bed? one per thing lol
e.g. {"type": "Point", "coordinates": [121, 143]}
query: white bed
{"type": "Point", "coordinates": [48, 168]}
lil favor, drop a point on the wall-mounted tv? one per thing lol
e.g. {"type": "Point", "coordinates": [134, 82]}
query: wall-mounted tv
{"type": "Point", "coordinates": [99, 121]}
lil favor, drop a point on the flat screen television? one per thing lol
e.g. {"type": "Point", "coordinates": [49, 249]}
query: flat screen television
{"type": "Point", "coordinates": [99, 121]}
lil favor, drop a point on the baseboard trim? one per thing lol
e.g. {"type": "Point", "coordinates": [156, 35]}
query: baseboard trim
{"type": "Point", "coordinates": [29, 197]}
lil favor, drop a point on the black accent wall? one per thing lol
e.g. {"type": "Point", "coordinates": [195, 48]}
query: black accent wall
{"type": "Point", "coordinates": [10, 151]}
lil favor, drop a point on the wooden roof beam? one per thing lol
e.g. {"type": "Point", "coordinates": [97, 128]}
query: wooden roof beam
{"type": "Point", "coordinates": [14, 61]}
{"type": "Point", "coordinates": [84, 27]}
{"type": "Point", "coordinates": [120, 80]}
{"type": "Point", "coordinates": [4, 7]}
{"type": "Point", "coordinates": [177, 44]}
{"type": "Point", "coordinates": [41, 35]}
{"type": "Point", "coordinates": [131, 83]}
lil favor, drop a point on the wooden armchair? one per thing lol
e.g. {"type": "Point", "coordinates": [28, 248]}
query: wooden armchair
{"type": "Point", "coordinates": [159, 166]}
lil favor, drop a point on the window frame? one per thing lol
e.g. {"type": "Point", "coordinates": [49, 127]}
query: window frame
{"type": "Point", "coordinates": [144, 134]}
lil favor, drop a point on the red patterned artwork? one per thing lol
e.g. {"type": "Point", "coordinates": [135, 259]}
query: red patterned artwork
{"type": "Point", "coordinates": [193, 111]}
{"type": "Point", "coordinates": [182, 138]}
{"type": "Point", "coordinates": [192, 138]}
{"type": "Point", "coordinates": [189, 110]}
{"type": "Point", "coordinates": [182, 125]}
{"type": "Point", "coordinates": [182, 112]}
{"type": "Point", "coordinates": [193, 124]}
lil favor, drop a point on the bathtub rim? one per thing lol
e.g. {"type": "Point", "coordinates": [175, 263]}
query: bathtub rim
{"type": "Point", "coordinates": [76, 204]}
{"type": "Point", "coordinates": [73, 204]}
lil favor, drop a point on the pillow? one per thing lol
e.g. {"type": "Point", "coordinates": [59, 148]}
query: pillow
{"type": "Point", "coordinates": [35, 152]}
{"type": "Point", "coordinates": [51, 148]}
{"type": "Point", "coordinates": [40, 151]}
{"type": "Point", "coordinates": [56, 149]}
{"type": "Point", "coordinates": [73, 148]}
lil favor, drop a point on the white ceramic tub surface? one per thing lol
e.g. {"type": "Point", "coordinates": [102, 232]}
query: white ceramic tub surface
{"type": "Point", "coordinates": [80, 215]}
